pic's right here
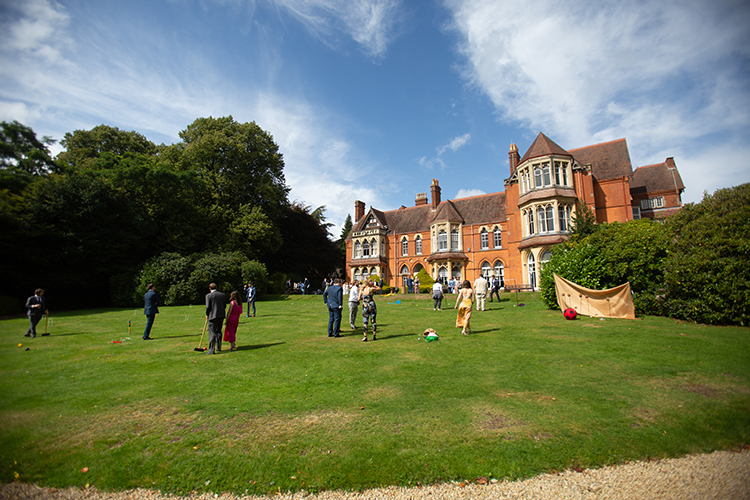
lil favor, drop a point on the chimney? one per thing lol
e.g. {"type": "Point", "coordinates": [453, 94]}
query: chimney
{"type": "Point", "coordinates": [435, 188]}
{"type": "Point", "coordinates": [359, 210]}
{"type": "Point", "coordinates": [514, 158]}
{"type": "Point", "coordinates": [421, 199]}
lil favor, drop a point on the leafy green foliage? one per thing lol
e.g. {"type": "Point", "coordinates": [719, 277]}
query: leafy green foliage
{"type": "Point", "coordinates": [425, 281]}
{"type": "Point", "coordinates": [22, 152]}
{"type": "Point", "coordinates": [118, 200]}
{"type": "Point", "coordinates": [583, 221]}
{"type": "Point", "coordinates": [707, 274]}
{"type": "Point", "coordinates": [613, 254]}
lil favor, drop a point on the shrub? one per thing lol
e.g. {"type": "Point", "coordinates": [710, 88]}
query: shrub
{"type": "Point", "coordinates": [255, 271]}
{"type": "Point", "coordinates": [613, 254]}
{"type": "Point", "coordinates": [706, 274]}
{"type": "Point", "coordinates": [425, 281]}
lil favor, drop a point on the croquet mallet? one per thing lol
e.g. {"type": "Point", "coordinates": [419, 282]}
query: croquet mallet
{"type": "Point", "coordinates": [200, 345]}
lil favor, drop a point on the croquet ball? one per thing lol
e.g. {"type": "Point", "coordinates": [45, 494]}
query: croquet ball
{"type": "Point", "coordinates": [570, 313]}
{"type": "Point", "coordinates": [27, 349]}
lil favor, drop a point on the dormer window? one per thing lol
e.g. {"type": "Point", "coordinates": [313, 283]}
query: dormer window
{"type": "Point", "coordinates": [372, 221]}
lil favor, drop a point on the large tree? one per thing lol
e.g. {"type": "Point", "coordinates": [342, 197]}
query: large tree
{"type": "Point", "coordinates": [83, 147]}
{"type": "Point", "coordinates": [240, 161]}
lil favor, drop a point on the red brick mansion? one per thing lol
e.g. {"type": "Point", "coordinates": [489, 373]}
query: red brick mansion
{"type": "Point", "coordinates": [510, 233]}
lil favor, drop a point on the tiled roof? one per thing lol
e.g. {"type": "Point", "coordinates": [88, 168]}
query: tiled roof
{"type": "Point", "coordinates": [482, 209]}
{"type": "Point", "coordinates": [655, 178]}
{"type": "Point", "coordinates": [446, 211]}
{"type": "Point", "coordinates": [543, 146]}
{"type": "Point", "coordinates": [609, 160]}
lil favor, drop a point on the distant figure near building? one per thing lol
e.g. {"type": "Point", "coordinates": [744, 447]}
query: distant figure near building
{"type": "Point", "coordinates": [216, 304]}
{"type": "Point", "coordinates": [35, 309]}
{"type": "Point", "coordinates": [150, 309]}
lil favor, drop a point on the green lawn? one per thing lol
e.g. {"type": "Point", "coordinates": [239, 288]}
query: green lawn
{"type": "Point", "coordinates": [292, 409]}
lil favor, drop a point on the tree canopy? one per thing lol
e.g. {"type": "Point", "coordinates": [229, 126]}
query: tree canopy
{"type": "Point", "coordinates": [93, 217]}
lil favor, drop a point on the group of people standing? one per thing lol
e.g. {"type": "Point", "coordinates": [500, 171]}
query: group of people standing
{"type": "Point", "coordinates": [216, 313]}
{"type": "Point", "coordinates": [333, 297]}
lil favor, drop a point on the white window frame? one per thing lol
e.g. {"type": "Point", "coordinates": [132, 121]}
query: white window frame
{"type": "Point", "coordinates": [497, 237]}
{"type": "Point", "coordinates": [484, 239]}
{"type": "Point", "coordinates": [454, 240]}
{"type": "Point", "coordinates": [418, 245]}
{"type": "Point", "coordinates": [404, 247]}
{"type": "Point", "coordinates": [442, 241]}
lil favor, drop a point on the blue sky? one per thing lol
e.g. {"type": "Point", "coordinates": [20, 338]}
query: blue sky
{"type": "Point", "coordinates": [371, 99]}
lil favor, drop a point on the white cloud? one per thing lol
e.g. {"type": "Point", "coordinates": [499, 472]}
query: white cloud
{"type": "Point", "coordinates": [453, 145]}
{"type": "Point", "coordinates": [666, 75]}
{"type": "Point", "coordinates": [370, 23]}
{"type": "Point", "coordinates": [465, 193]}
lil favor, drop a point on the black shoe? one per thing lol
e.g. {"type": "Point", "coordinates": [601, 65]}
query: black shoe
{"type": "Point", "coordinates": [27, 334]}
{"type": "Point", "coordinates": [147, 338]}
{"type": "Point", "coordinates": [33, 335]}
{"type": "Point", "coordinates": [337, 336]}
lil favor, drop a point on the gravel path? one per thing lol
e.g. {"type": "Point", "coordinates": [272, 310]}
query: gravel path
{"type": "Point", "coordinates": [720, 475]}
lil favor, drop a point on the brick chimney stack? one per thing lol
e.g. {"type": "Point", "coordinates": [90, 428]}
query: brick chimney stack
{"type": "Point", "coordinates": [421, 199]}
{"type": "Point", "coordinates": [435, 189]}
{"type": "Point", "coordinates": [514, 158]}
{"type": "Point", "coordinates": [359, 210]}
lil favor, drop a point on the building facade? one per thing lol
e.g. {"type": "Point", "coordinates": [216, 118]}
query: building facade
{"type": "Point", "coordinates": [509, 234]}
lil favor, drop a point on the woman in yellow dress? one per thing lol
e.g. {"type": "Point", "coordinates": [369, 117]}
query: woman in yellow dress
{"type": "Point", "coordinates": [464, 302]}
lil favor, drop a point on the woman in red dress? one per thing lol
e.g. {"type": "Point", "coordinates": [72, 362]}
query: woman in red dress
{"type": "Point", "coordinates": [233, 318]}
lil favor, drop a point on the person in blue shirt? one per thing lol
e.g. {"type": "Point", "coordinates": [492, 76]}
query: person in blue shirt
{"type": "Point", "coordinates": [250, 291]}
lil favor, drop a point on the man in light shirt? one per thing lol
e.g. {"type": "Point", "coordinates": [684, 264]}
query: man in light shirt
{"type": "Point", "coordinates": [480, 290]}
{"type": "Point", "coordinates": [353, 304]}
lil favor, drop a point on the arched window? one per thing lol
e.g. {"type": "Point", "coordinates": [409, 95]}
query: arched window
{"type": "Point", "coordinates": [542, 219]}
{"type": "Point", "coordinates": [418, 268]}
{"type": "Point", "coordinates": [530, 219]}
{"type": "Point", "coordinates": [486, 269]}
{"type": "Point", "coordinates": [546, 174]}
{"type": "Point", "coordinates": [454, 240]}
{"type": "Point", "coordinates": [418, 245]}
{"type": "Point", "coordinates": [531, 264]}
{"type": "Point", "coordinates": [365, 249]}
{"type": "Point", "coordinates": [357, 250]}
{"type": "Point", "coordinates": [537, 176]}
{"type": "Point", "coordinates": [357, 274]}
{"type": "Point", "coordinates": [500, 272]}
{"type": "Point", "coordinates": [497, 236]}
{"type": "Point", "coordinates": [484, 240]}
{"type": "Point", "coordinates": [456, 273]}
{"type": "Point", "coordinates": [442, 241]}
{"type": "Point", "coordinates": [374, 247]}
{"type": "Point", "coordinates": [550, 218]}
{"type": "Point", "coordinates": [404, 246]}
{"type": "Point", "coordinates": [563, 212]}
{"type": "Point", "coordinates": [404, 276]}
{"type": "Point", "coordinates": [545, 257]}
{"type": "Point", "coordinates": [442, 274]}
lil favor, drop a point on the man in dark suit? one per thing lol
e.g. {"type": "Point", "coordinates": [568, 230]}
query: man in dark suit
{"type": "Point", "coordinates": [334, 299]}
{"type": "Point", "coordinates": [216, 304]}
{"type": "Point", "coordinates": [495, 288]}
{"type": "Point", "coordinates": [35, 309]}
{"type": "Point", "coordinates": [150, 309]}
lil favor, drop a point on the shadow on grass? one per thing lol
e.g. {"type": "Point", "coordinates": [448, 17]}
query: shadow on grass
{"type": "Point", "coordinates": [256, 346]}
